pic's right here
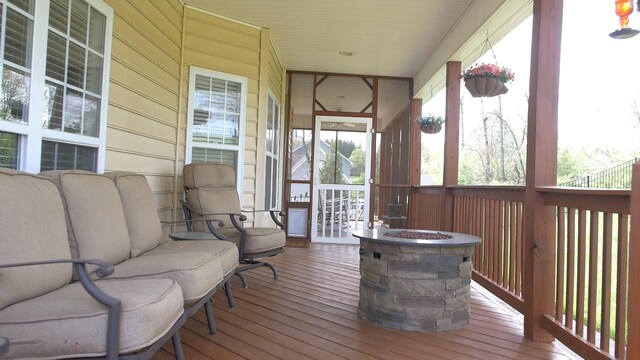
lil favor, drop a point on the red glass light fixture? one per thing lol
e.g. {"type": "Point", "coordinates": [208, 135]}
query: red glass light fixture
{"type": "Point", "coordinates": [624, 8]}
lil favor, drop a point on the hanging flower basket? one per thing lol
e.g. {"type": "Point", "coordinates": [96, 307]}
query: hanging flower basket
{"type": "Point", "coordinates": [431, 128]}
{"type": "Point", "coordinates": [487, 80]}
{"type": "Point", "coordinates": [430, 124]}
{"type": "Point", "coordinates": [485, 86]}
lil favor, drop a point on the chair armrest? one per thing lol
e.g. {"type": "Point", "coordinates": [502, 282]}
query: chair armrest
{"type": "Point", "coordinates": [113, 304]}
{"type": "Point", "coordinates": [273, 214]}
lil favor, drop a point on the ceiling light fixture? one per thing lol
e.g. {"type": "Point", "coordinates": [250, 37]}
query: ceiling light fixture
{"type": "Point", "coordinates": [345, 53]}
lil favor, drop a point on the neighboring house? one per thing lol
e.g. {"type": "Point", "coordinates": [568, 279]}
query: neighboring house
{"type": "Point", "coordinates": [301, 167]}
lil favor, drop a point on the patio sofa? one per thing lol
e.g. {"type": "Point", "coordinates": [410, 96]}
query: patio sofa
{"type": "Point", "coordinates": [114, 218]}
{"type": "Point", "coordinates": [44, 313]}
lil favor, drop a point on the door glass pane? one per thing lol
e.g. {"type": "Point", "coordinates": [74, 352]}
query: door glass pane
{"type": "Point", "coordinates": [300, 157]}
{"type": "Point", "coordinates": [9, 150]}
{"type": "Point", "coordinates": [342, 157]}
{"type": "Point", "coordinates": [53, 105]}
{"type": "Point", "coordinates": [56, 53]}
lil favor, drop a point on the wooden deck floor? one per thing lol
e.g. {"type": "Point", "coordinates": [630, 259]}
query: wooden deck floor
{"type": "Point", "coordinates": [310, 312]}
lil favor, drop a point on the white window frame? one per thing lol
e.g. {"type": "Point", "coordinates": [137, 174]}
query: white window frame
{"type": "Point", "coordinates": [275, 187]}
{"type": "Point", "coordinates": [32, 134]}
{"type": "Point", "coordinates": [193, 72]}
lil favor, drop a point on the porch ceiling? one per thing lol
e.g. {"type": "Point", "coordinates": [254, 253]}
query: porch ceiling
{"type": "Point", "coordinates": [386, 37]}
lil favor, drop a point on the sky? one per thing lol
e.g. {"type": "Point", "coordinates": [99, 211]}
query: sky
{"type": "Point", "coordinates": [599, 80]}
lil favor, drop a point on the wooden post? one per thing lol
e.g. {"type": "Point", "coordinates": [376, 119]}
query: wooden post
{"type": "Point", "coordinates": [415, 152]}
{"type": "Point", "coordinates": [451, 141]}
{"type": "Point", "coordinates": [542, 144]}
{"type": "Point", "coordinates": [633, 314]}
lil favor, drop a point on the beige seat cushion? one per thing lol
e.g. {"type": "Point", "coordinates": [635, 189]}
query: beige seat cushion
{"type": "Point", "coordinates": [32, 228]}
{"type": "Point", "coordinates": [197, 273]}
{"type": "Point", "coordinates": [212, 190]}
{"type": "Point", "coordinates": [68, 321]}
{"type": "Point", "coordinates": [140, 210]}
{"type": "Point", "coordinates": [95, 218]}
{"type": "Point", "coordinates": [258, 239]}
{"type": "Point", "coordinates": [225, 251]}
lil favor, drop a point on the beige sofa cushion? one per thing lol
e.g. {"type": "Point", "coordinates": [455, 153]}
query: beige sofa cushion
{"type": "Point", "coordinates": [69, 321]}
{"type": "Point", "coordinates": [197, 273]}
{"type": "Point", "coordinates": [212, 189]}
{"type": "Point", "coordinates": [96, 223]}
{"type": "Point", "coordinates": [140, 210]}
{"type": "Point", "coordinates": [32, 228]}
{"type": "Point", "coordinates": [225, 251]}
{"type": "Point", "coordinates": [258, 239]}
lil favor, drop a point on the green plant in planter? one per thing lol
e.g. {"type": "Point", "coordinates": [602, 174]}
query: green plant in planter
{"type": "Point", "coordinates": [430, 124]}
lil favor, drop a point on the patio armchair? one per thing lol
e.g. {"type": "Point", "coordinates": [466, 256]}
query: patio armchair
{"type": "Point", "coordinates": [44, 314]}
{"type": "Point", "coordinates": [210, 192]}
{"type": "Point", "coordinates": [99, 227]}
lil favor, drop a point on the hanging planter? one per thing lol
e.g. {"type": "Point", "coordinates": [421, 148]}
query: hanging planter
{"type": "Point", "coordinates": [430, 124]}
{"type": "Point", "coordinates": [487, 80]}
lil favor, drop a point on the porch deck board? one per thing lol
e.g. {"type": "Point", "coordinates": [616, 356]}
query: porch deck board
{"type": "Point", "coordinates": [310, 312]}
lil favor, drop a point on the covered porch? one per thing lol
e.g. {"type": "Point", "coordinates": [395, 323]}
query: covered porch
{"type": "Point", "coordinates": [310, 312]}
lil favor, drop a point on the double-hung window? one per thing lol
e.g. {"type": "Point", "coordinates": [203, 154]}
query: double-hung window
{"type": "Point", "coordinates": [216, 118]}
{"type": "Point", "coordinates": [272, 154]}
{"type": "Point", "coordinates": [55, 57]}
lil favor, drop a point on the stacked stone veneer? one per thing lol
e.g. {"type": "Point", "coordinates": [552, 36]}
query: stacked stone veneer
{"type": "Point", "coordinates": [415, 287]}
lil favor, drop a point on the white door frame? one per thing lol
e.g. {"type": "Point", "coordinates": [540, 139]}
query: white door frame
{"type": "Point", "coordinates": [317, 187]}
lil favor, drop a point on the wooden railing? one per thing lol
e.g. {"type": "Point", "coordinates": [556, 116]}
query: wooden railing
{"type": "Point", "coordinates": [592, 260]}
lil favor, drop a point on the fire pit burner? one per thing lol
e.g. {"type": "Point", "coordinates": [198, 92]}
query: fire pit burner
{"type": "Point", "coordinates": [407, 234]}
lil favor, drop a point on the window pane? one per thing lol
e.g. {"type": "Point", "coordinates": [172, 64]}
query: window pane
{"type": "Point", "coordinates": [270, 125]}
{"type": "Point", "coordinates": [53, 102]}
{"type": "Point", "coordinates": [231, 130]}
{"type": "Point", "coordinates": [9, 150]}
{"type": "Point", "coordinates": [18, 39]}
{"type": "Point", "coordinates": [91, 116]}
{"type": "Point", "coordinates": [233, 96]}
{"type": "Point", "coordinates": [74, 73]}
{"type": "Point", "coordinates": [202, 155]}
{"type": "Point", "coordinates": [73, 111]}
{"type": "Point", "coordinates": [58, 14]}
{"type": "Point", "coordinates": [60, 156]}
{"type": "Point", "coordinates": [56, 55]}
{"type": "Point", "coordinates": [274, 184]}
{"type": "Point", "coordinates": [26, 5]}
{"type": "Point", "coordinates": [14, 103]}
{"type": "Point", "coordinates": [94, 74]}
{"type": "Point", "coordinates": [79, 17]}
{"type": "Point", "coordinates": [276, 126]}
{"type": "Point", "coordinates": [267, 187]}
{"type": "Point", "coordinates": [75, 67]}
{"type": "Point", "coordinates": [97, 30]}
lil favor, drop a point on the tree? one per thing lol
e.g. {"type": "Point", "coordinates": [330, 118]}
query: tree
{"type": "Point", "coordinates": [331, 170]}
{"type": "Point", "coordinates": [358, 160]}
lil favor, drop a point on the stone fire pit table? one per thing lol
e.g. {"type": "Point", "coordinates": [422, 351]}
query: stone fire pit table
{"type": "Point", "coordinates": [415, 280]}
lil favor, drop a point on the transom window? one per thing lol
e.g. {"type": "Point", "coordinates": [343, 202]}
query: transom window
{"type": "Point", "coordinates": [215, 133]}
{"type": "Point", "coordinates": [58, 117]}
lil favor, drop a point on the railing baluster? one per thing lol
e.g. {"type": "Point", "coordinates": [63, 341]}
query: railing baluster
{"type": "Point", "coordinates": [605, 312]}
{"type": "Point", "coordinates": [571, 255]}
{"type": "Point", "coordinates": [621, 285]}
{"type": "Point", "coordinates": [593, 276]}
{"type": "Point", "coordinates": [560, 263]}
{"type": "Point", "coordinates": [581, 278]}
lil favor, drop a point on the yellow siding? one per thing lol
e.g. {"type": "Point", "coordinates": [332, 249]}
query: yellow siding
{"type": "Point", "coordinates": [218, 44]}
{"type": "Point", "coordinates": [144, 93]}
{"type": "Point", "coordinates": [147, 118]}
